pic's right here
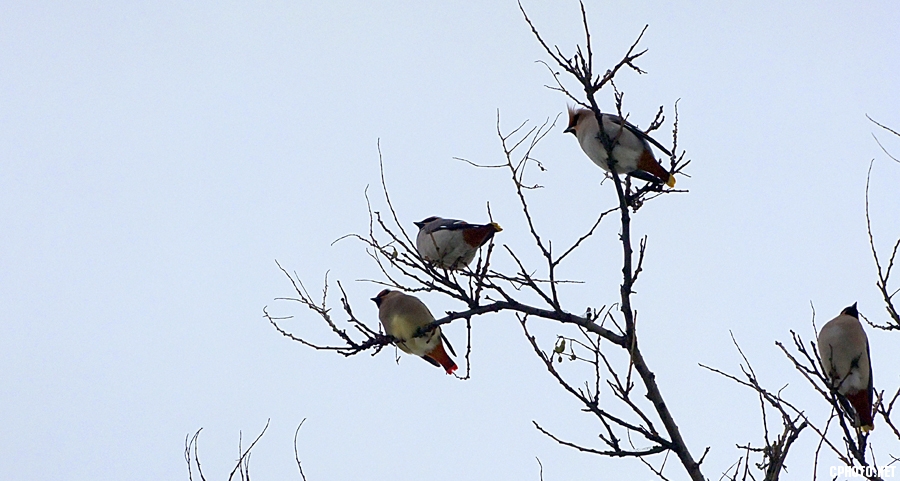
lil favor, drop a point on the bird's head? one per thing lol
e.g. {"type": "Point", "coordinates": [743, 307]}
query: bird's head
{"type": "Point", "coordinates": [380, 297]}
{"type": "Point", "coordinates": [574, 117]}
{"type": "Point", "coordinates": [851, 311]}
{"type": "Point", "coordinates": [425, 221]}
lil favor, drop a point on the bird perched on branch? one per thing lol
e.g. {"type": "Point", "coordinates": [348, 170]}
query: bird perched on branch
{"type": "Point", "coordinates": [844, 349]}
{"type": "Point", "coordinates": [631, 147]}
{"type": "Point", "coordinates": [452, 243]}
{"type": "Point", "coordinates": [407, 319]}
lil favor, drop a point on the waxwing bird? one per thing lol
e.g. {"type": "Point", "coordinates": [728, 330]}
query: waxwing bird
{"type": "Point", "coordinates": [402, 315]}
{"type": "Point", "coordinates": [844, 349]}
{"type": "Point", "coordinates": [631, 147]}
{"type": "Point", "coordinates": [452, 243]}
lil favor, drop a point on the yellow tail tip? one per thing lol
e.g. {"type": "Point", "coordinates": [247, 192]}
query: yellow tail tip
{"type": "Point", "coordinates": [496, 226]}
{"type": "Point", "coordinates": [866, 428]}
{"type": "Point", "coordinates": [671, 181]}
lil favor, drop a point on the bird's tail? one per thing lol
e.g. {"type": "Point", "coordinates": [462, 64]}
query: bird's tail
{"type": "Point", "coordinates": [440, 355]}
{"type": "Point", "coordinates": [478, 235]}
{"type": "Point", "coordinates": [649, 164]}
{"type": "Point", "coordinates": [862, 404]}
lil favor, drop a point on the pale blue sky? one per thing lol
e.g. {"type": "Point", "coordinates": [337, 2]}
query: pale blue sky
{"type": "Point", "coordinates": [155, 159]}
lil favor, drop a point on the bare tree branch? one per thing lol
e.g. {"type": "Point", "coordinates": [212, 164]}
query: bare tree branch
{"type": "Point", "coordinates": [193, 442]}
{"type": "Point", "coordinates": [879, 142]}
{"type": "Point", "coordinates": [883, 275]}
{"type": "Point", "coordinates": [243, 463]}
{"type": "Point", "coordinates": [296, 453]}
{"type": "Point", "coordinates": [774, 452]}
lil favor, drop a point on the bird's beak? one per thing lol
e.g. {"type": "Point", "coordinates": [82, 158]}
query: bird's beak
{"type": "Point", "coordinates": [419, 224]}
{"type": "Point", "coordinates": [570, 130]}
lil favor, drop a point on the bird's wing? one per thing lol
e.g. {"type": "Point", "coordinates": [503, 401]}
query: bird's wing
{"type": "Point", "coordinates": [452, 224]}
{"type": "Point", "coordinates": [431, 361]}
{"type": "Point", "coordinates": [871, 384]}
{"type": "Point", "coordinates": [449, 346]}
{"type": "Point", "coordinates": [640, 174]}
{"type": "Point", "coordinates": [638, 132]}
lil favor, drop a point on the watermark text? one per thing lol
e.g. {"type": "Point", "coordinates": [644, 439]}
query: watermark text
{"type": "Point", "coordinates": [861, 471]}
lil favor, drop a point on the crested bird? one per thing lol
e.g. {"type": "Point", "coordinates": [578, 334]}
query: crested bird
{"type": "Point", "coordinates": [844, 349]}
{"type": "Point", "coordinates": [403, 317]}
{"type": "Point", "coordinates": [452, 243]}
{"type": "Point", "coordinates": [631, 147]}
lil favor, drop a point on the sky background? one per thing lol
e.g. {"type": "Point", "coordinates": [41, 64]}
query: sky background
{"type": "Point", "coordinates": [157, 158]}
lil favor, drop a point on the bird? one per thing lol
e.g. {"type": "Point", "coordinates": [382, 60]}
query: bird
{"type": "Point", "coordinates": [452, 243]}
{"type": "Point", "coordinates": [844, 349]}
{"type": "Point", "coordinates": [402, 316]}
{"type": "Point", "coordinates": [631, 147]}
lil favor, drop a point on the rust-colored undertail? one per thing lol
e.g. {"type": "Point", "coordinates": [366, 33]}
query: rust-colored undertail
{"type": "Point", "coordinates": [862, 403]}
{"type": "Point", "coordinates": [440, 355]}
{"type": "Point", "coordinates": [648, 163]}
{"type": "Point", "coordinates": [477, 236]}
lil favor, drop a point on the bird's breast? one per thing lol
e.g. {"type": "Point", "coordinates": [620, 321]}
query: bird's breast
{"type": "Point", "coordinates": [626, 158]}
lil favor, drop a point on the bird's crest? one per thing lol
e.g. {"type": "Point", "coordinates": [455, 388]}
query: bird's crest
{"type": "Point", "coordinates": [851, 311]}
{"type": "Point", "coordinates": [573, 118]}
{"type": "Point", "coordinates": [380, 297]}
